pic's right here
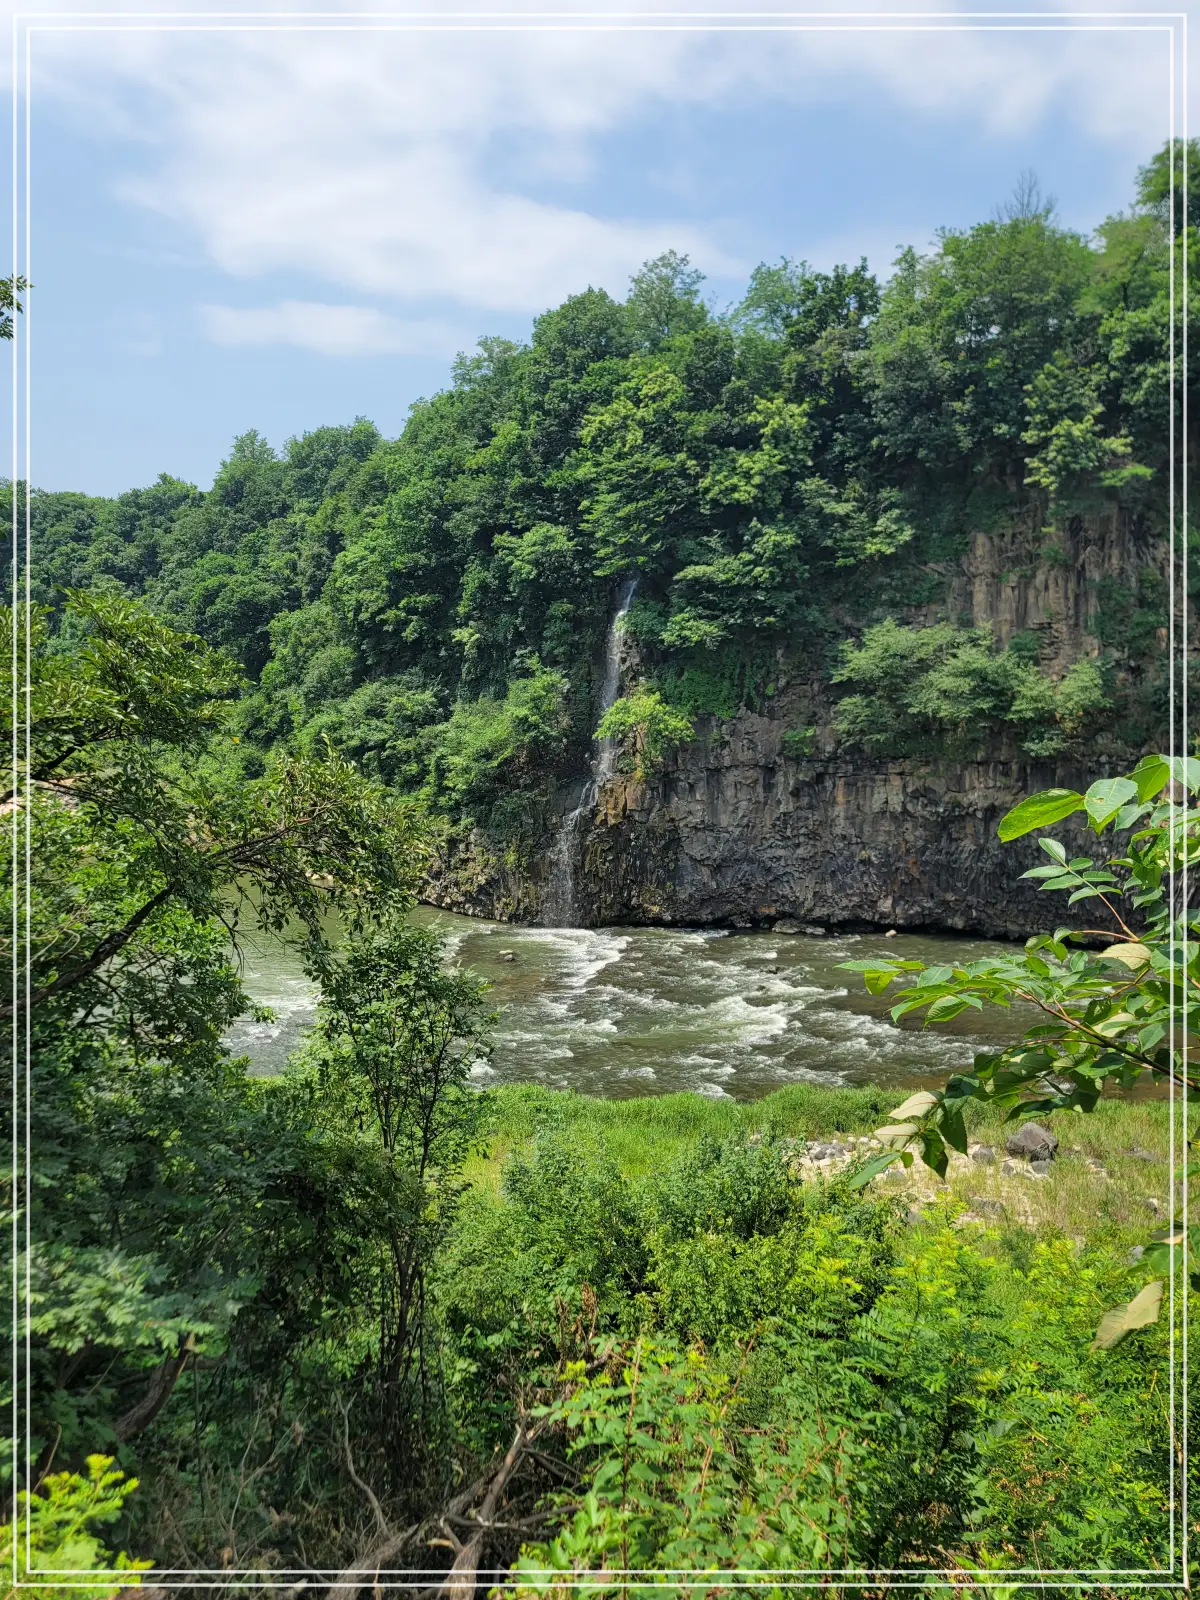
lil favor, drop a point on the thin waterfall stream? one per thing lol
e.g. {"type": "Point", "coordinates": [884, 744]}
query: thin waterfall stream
{"type": "Point", "coordinates": [559, 909]}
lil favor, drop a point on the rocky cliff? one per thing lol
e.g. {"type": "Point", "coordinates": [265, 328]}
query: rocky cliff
{"type": "Point", "coordinates": [738, 831]}
{"type": "Point", "coordinates": [1057, 585]}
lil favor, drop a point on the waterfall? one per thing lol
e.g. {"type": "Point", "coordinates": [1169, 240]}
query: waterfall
{"type": "Point", "coordinates": [559, 909]}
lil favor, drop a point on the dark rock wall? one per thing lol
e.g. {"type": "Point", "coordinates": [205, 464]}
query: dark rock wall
{"type": "Point", "coordinates": [737, 833]}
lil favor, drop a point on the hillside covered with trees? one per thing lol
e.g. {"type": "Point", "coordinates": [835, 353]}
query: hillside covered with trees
{"type": "Point", "coordinates": [790, 481]}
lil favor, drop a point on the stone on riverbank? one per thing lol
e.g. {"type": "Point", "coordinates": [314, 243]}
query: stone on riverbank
{"type": "Point", "coordinates": [1032, 1142]}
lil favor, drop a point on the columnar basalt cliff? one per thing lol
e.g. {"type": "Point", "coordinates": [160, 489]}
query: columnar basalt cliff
{"type": "Point", "coordinates": [738, 831]}
{"type": "Point", "coordinates": [1054, 584]}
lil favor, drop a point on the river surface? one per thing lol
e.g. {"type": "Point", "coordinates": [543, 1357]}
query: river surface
{"type": "Point", "coordinates": [635, 1011]}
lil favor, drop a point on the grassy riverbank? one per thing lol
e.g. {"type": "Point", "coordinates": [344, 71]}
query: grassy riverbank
{"type": "Point", "coordinates": [641, 1136]}
{"type": "Point", "coordinates": [934, 1339]}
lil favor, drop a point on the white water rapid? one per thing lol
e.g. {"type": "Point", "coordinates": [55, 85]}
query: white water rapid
{"type": "Point", "coordinates": [559, 909]}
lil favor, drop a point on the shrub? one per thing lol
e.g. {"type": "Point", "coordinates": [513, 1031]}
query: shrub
{"type": "Point", "coordinates": [55, 1528]}
{"type": "Point", "coordinates": [799, 742]}
{"type": "Point", "coordinates": [921, 690]}
{"type": "Point", "coordinates": [487, 739]}
{"type": "Point", "coordinates": [647, 729]}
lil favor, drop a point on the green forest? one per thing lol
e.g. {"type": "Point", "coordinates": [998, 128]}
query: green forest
{"type": "Point", "coordinates": [789, 480]}
{"type": "Point", "coordinates": [363, 1320]}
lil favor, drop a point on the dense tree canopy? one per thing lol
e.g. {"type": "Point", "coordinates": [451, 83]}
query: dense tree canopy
{"type": "Point", "coordinates": [780, 478]}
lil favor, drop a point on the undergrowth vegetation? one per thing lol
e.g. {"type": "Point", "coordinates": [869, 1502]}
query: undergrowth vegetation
{"type": "Point", "coordinates": [365, 1317]}
{"type": "Point", "coordinates": [799, 1374]}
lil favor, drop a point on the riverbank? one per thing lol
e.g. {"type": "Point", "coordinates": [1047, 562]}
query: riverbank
{"type": "Point", "coordinates": [1107, 1183]}
{"type": "Point", "coordinates": [929, 1346]}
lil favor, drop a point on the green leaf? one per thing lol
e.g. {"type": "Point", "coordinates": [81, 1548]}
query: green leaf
{"type": "Point", "coordinates": [954, 1131]}
{"type": "Point", "coordinates": [933, 1152]}
{"type": "Point", "coordinates": [1039, 811]}
{"type": "Point", "coordinates": [1151, 775]}
{"type": "Point", "coordinates": [917, 1105]}
{"type": "Point", "coordinates": [1113, 1026]}
{"type": "Point", "coordinates": [896, 1130]}
{"type": "Point", "coordinates": [948, 1006]}
{"type": "Point", "coordinates": [1128, 815]}
{"type": "Point", "coordinates": [1139, 1312]}
{"type": "Point", "coordinates": [1132, 955]}
{"type": "Point", "coordinates": [1186, 770]}
{"type": "Point", "coordinates": [877, 981]}
{"type": "Point", "coordinates": [873, 1168]}
{"type": "Point", "coordinates": [1105, 798]}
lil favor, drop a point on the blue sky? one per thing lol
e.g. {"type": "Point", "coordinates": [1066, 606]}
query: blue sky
{"type": "Point", "coordinates": [283, 229]}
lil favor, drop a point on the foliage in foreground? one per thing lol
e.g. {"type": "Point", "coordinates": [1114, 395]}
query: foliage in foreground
{"type": "Point", "coordinates": [57, 1530]}
{"type": "Point", "coordinates": [749, 1370]}
{"type": "Point", "coordinates": [1112, 1015]}
{"type": "Point", "coordinates": [255, 1253]}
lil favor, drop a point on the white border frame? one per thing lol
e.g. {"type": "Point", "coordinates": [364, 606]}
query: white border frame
{"type": "Point", "coordinates": [25, 25]}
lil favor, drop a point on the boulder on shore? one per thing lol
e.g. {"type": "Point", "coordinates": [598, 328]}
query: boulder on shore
{"type": "Point", "coordinates": [1032, 1142]}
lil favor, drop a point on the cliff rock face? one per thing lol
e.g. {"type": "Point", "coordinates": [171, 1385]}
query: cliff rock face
{"type": "Point", "coordinates": [1026, 580]}
{"type": "Point", "coordinates": [737, 833]}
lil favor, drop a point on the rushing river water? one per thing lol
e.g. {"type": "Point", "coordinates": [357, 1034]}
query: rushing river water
{"type": "Point", "coordinates": [632, 1011]}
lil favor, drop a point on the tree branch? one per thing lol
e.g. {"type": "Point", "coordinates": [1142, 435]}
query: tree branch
{"type": "Point", "coordinates": [143, 1413]}
{"type": "Point", "coordinates": [108, 947]}
{"type": "Point", "coordinates": [381, 1521]}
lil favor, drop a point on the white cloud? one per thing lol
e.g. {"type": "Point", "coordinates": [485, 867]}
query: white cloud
{"type": "Point", "coordinates": [376, 161]}
{"type": "Point", "coordinates": [332, 330]}
{"type": "Point", "coordinates": [412, 225]}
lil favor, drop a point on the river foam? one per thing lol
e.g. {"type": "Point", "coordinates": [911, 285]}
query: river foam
{"type": "Point", "coordinates": [621, 1011]}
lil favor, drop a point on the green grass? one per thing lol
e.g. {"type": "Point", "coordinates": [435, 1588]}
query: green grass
{"type": "Point", "coordinates": [644, 1135]}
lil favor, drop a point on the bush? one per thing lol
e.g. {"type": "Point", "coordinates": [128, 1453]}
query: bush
{"type": "Point", "coordinates": [487, 742]}
{"type": "Point", "coordinates": [923, 690]}
{"type": "Point", "coordinates": [55, 1529]}
{"type": "Point", "coordinates": [952, 1420]}
{"type": "Point", "coordinates": [647, 729]}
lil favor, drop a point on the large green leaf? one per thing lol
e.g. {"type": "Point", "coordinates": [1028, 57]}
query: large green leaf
{"type": "Point", "coordinates": [877, 981]}
{"type": "Point", "coordinates": [1151, 775]}
{"type": "Point", "coordinates": [954, 1131]}
{"type": "Point", "coordinates": [1039, 811]}
{"type": "Point", "coordinates": [873, 1168]}
{"type": "Point", "coordinates": [1105, 798]}
{"type": "Point", "coordinates": [1133, 955]}
{"type": "Point", "coordinates": [1186, 770]}
{"type": "Point", "coordinates": [896, 1130]}
{"type": "Point", "coordinates": [1139, 1312]}
{"type": "Point", "coordinates": [916, 1105]}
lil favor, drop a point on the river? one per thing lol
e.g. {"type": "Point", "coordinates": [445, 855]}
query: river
{"type": "Point", "coordinates": [634, 1011]}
